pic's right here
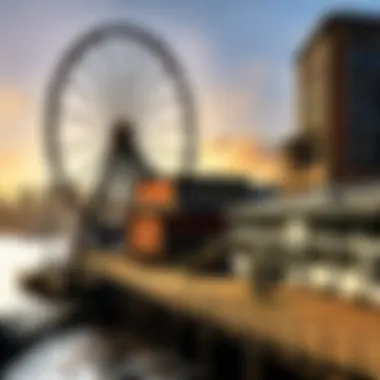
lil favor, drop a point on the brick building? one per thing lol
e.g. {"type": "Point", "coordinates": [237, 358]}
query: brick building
{"type": "Point", "coordinates": [339, 94]}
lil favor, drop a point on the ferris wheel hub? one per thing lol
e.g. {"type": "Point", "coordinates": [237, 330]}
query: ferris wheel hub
{"type": "Point", "coordinates": [122, 135]}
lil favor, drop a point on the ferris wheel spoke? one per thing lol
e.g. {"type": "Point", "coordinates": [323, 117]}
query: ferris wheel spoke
{"type": "Point", "coordinates": [148, 86]}
{"type": "Point", "coordinates": [162, 121]}
{"type": "Point", "coordinates": [81, 118]}
{"type": "Point", "coordinates": [121, 63]}
{"type": "Point", "coordinates": [159, 134]}
{"type": "Point", "coordinates": [163, 108]}
{"type": "Point", "coordinates": [75, 148]}
{"type": "Point", "coordinates": [84, 172]}
{"type": "Point", "coordinates": [100, 86]}
{"type": "Point", "coordinates": [75, 136]}
{"type": "Point", "coordinates": [78, 135]}
{"type": "Point", "coordinates": [144, 87]}
{"type": "Point", "coordinates": [163, 146]}
{"type": "Point", "coordinates": [113, 81]}
{"type": "Point", "coordinates": [158, 102]}
{"type": "Point", "coordinates": [84, 83]}
{"type": "Point", "coordinates": [132, 82]}
{"type": "Point", "coordinates": [92, 147]}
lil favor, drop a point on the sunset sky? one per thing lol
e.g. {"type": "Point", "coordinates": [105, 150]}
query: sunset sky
{"type": "Point", "coordinates": [239, 55]}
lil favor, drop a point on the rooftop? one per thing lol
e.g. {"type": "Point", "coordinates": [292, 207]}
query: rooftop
{"type": "Point", "coordinates": [334, 19]}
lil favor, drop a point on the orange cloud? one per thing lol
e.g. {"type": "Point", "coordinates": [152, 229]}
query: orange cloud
{"type": "Point", "coordinates": [236, 155]}
{"type": "Point", "coordinates": [11, 102]}
{"type": "Point", "coordinates": [19, 168]}
{"type": "Point", "coordinates": [230, 114]}
{"type": "Point", "coordinates": [18, 141]}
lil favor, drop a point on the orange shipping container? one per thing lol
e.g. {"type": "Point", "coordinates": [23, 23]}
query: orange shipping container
{"type": "Point", "coordinates": [155, 193]}
{"type": "Point", "coordinates": [146, 234]}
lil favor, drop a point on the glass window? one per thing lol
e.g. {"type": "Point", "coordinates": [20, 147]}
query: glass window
{"type": "Point", "coordinates": [376, 270]}
{"type": "Point", "coordinates": [345, 259]}
{"type": "Point", "coordinates": [314, 255]}
{"type": "Point", "coordinates": [373, 226]}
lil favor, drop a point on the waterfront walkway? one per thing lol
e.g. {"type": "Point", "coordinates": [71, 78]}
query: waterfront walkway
{"type": "Point", "coordinates": [297, 321]}
{"type": "Point", "coordinates": [304, 330]}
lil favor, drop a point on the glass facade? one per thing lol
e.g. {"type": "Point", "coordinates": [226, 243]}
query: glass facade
{"type": "Point", "coordinates": [364, 108]}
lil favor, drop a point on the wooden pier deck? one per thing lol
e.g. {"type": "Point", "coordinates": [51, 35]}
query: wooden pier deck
{"type": "Point", "coordinates": [304, 329]}
{"type": "Point", "coordinates": [297, 321]}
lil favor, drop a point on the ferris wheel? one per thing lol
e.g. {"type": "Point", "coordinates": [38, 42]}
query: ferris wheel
{"type": "Point", "coordinates": [117, 71]}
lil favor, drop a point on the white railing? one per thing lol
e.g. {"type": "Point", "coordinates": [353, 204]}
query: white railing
{"type": "Point", "coordinates": [317, 250]}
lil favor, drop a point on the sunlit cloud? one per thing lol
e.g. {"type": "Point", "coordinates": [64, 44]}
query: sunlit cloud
{"type": "Point", "coordinates": [241, 156]}
{"type": "Point", "coordinates": [233, 105]}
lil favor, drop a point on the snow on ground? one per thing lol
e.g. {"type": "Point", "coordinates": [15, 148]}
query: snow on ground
{"type": "Point", "coordinates": [20, 254]}
{"type": "Point", "coordinates": [76, 355]}
{"type": "Point", "coordinates": [79, 355]}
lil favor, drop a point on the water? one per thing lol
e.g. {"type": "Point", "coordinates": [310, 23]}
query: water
{"type": "Point", "coordinates": [77, 353]}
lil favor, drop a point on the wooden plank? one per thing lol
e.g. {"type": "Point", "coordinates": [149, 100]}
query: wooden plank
{"type": "Point", "coordinates": [296, 319]}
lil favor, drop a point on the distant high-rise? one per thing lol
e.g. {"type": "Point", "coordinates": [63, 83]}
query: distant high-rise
{"type": "Point", "coordinates": [339, 94]}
